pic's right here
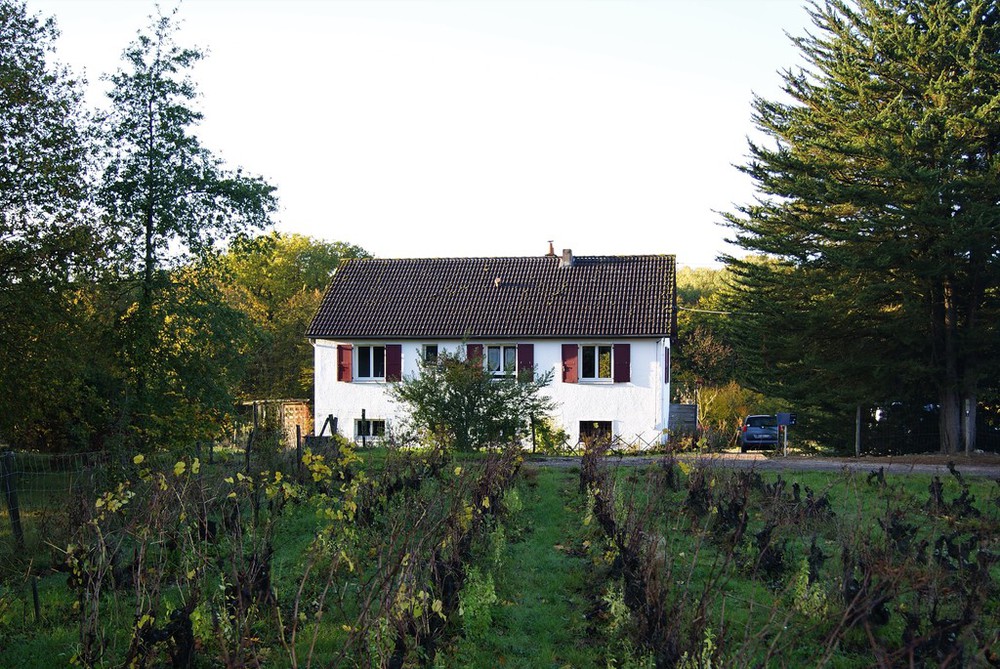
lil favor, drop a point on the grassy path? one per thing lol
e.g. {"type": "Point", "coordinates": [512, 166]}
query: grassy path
{"type": "Point", "coordinates": [541, 584]}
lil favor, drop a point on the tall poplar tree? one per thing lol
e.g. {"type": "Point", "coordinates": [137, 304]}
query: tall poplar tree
{"type": "Point", "coordinates": [169, 200]}
{"type": "Point", "coordinates": [878, 212]}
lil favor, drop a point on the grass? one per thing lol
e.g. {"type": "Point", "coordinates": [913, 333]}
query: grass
{"type": "Point", "coordinates": [541, 583]}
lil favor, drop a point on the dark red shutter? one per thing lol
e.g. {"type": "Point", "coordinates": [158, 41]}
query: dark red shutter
{"type": "Point", "coordinates": [393, 362]}
{"type": "Point", "coordinates": [666, 364]}
{"type": "Point", "coordinates": [474, 352]}
{"type": "Point", "coordinates": [344, 362]}
{"type": "Point", "coordinates": [623, 363]}
{"type": "Point", "coordinates": [525, 359]}
{"type": "Point", "coordinates": [569, 363]}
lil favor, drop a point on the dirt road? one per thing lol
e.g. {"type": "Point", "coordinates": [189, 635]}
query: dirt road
{"type": "Point", "coordinates": [986, 466]}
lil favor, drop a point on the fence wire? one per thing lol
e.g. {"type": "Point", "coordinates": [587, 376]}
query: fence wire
{"type": "Point", "coordinates": [42, 496]}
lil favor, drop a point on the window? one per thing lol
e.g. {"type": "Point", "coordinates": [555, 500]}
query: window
{"type": "Point", "coordinates": [369, 428]}
{"type": "Point", "coordinates": [430, 352]}
{"type": "Point", "coordinates": [371, 362]}
{"type": "Point", "coordinates": [595, 362]}
{"type": "Point", "coordinates": [501, 360]}
{"type": "Point", "coordinates": [595, 431]}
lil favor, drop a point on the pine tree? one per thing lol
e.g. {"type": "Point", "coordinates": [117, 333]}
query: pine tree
{"type": "Point", "coordinates": [878, 213]}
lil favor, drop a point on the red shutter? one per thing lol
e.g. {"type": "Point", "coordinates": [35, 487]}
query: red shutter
{"type": "Point", "coordinates": [474, 352]}
{"type": "Point", "coordinates": [569, 363]}
{"type": "Point", "coordinates": [623, 363]}
{"type": "Point", "coordinates": [393, 362]}
{"type": "Point", "coordinates": [344, 362]}
{"type": "Point", "coordinates": [525, 359]}
{"type": "Point", "coordinates": [666, 364]}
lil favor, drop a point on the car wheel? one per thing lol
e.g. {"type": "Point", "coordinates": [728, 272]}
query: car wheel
{"type": "Point", "coordinates": [743, 448]}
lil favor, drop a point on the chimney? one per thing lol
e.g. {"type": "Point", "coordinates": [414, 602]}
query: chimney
{"type": "Point", "coordinates": [567, 258]}
{"type": "Point", "coordinates": [552, 250]}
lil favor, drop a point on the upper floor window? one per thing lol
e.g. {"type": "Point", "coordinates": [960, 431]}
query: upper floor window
{"type": "Point", "coordinates": [430, 353]}
{"type": "Point", "coordinates": [596, 362]}
{"type": "Point", "coordinates": [501, 360]}
{"type": "Point", "coordinates": [371, 362]}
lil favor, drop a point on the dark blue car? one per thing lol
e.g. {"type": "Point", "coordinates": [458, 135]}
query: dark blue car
{"type": "Point", "coordinates": [759, 431]}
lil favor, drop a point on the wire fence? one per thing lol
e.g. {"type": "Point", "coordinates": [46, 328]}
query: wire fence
{"type": "Point", "coordinates": [43, 496]}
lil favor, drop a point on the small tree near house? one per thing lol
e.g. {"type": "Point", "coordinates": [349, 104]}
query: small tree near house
{"type": "Point", "coordinates": [455, 402]}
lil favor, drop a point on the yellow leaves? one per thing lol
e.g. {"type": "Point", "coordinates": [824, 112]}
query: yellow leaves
{"type": "Point", "coordinates": [145, 621]}
{"type": "Point", "coordinates": [458, 471]}
{"type": "Point", "coordinates": [113, 500]}
{"type": "Point", "coordinates": [138, 459]}
{"type": "Point", "coordinates": [179, 468]}
{"type": "Point", "coordinates": [438, 607]}
{"type": "Point", "coordinates": [195, 466]}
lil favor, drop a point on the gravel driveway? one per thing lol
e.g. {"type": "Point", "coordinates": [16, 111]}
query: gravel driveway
{"type": "Point", "coordinates": [986, 466]}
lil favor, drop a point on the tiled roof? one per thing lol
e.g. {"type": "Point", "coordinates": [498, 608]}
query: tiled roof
{"type": "Point", "coordinates": [479, 298]}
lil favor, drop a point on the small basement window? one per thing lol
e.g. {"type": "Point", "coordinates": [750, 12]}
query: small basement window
{"type": "Point", "coordinates": [595, 431]}
{"type": "Point", "coordinates": [369, 428]}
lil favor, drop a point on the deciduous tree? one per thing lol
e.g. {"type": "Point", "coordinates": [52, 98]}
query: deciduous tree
{"type": "Point", "coordinates": [456, 402]}
{"type": "Point", "coordinates": [46, 237]}
{"type": "Point", "coordinates": [278, 280]}
{"type": "Point", "coordinates": [168, 199]}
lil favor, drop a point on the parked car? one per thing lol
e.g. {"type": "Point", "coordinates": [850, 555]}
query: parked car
{"type": "Point", "coordinates": [758, 431]}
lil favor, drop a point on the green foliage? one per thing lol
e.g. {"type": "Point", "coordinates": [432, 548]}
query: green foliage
{"type": "Point", "coordinates": [876, 217]}
{"type": "Point", "coordinates": [47, 240]}
{"type": "Point", "coordinates": [277, 281]}
{"type": "Point", "coordinates": [455, 402]}
{"type": "Point", "coordinates": [478, 597]}
{"type": "Point", "coordinates": [168, 200]}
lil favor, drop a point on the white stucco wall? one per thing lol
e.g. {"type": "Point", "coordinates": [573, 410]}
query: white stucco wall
{"type": "Point", "coordinates": [638, 409]}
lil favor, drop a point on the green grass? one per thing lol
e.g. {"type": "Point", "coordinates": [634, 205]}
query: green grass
{"type": "Point", "coordinates": [542, 583]}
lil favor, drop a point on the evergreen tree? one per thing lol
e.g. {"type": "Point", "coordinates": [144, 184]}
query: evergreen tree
{"type": "Point", "coordinates": [878, 210]}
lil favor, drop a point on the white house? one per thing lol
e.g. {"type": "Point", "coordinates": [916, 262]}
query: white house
{"type": "Point", "coordinates": [602, 324]}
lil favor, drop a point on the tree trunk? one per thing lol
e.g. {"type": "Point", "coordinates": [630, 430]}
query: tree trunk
{"type": "Point", "coordinates": [949, 398]}
{"type": "Point", "coordinates": [949, 420]}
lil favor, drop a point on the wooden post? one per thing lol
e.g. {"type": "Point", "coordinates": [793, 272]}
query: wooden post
{"type": "Point", "coordinates": [8, 485]}
{"type": "Point", "coordinates": [298, 449]}
{"type": "Point", "coordinates": [364, 428]}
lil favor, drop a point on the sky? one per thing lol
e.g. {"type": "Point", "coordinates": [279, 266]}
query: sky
{"type": "Point", "coordinates": [473, 127]}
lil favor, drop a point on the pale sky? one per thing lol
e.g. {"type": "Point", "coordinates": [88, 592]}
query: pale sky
{"type": "Point", "coordinates": [475, 128]}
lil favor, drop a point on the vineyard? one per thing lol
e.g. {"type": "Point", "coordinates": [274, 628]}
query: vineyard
{"type": "Point", "coordinates": [413, 558]}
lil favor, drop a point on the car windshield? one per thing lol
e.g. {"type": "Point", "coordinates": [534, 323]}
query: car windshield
{"type": "Point", "coordinates": [762, 421]}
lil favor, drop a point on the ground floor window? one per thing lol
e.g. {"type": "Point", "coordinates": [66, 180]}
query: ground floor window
{"type": "Point", "coordinates": [369, 428]}
{"type": "Point", "coordinates": [595, 431]}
